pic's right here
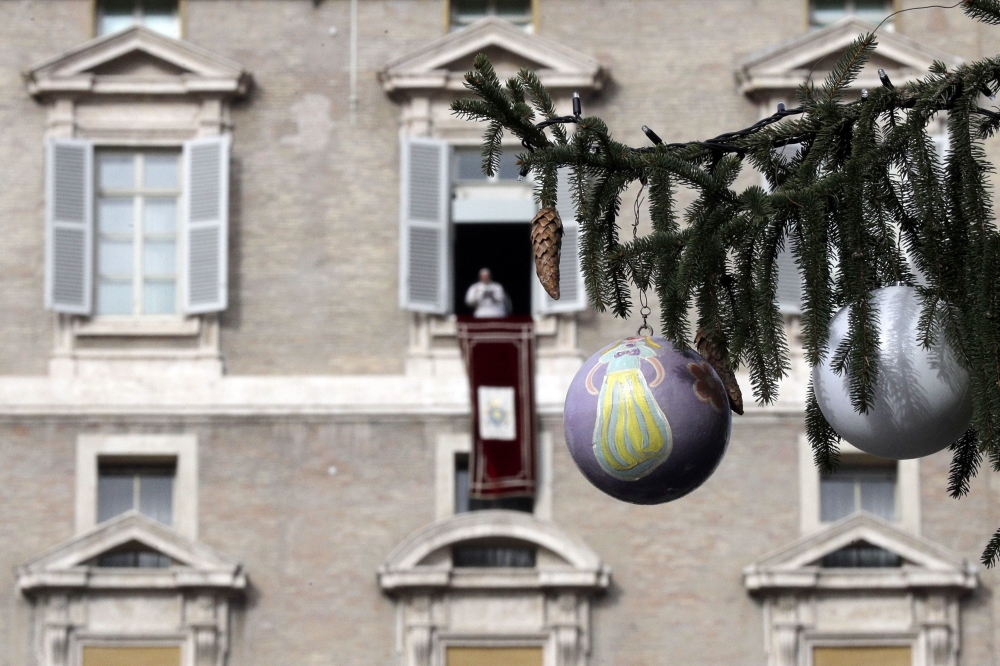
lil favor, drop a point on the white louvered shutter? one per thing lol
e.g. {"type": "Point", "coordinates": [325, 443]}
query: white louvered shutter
{"type": "Point", "coordinates": [206, 224]}
{"type": "Point", "coordinates": [572, 293]}
{"type": "Point", "coordinates": [424, 239]}
{"type": "Point", "coordinates": [69, 247]}
{"type": "Point", "coordinates": [789, 291]}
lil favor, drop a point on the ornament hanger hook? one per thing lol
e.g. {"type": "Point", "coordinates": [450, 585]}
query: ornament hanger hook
{"type": "Point", "coordinates": [644, 310]}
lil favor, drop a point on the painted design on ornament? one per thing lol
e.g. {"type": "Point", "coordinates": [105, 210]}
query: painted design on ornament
{"type": "Point", "coordinates": [705, 386]}
{"type": "Point", "coordinates": [631, 434]}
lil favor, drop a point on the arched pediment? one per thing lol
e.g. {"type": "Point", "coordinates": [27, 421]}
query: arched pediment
{"type": "Point", "coordinates": [921, 563]}
{"type": "Point", "coordinates": [423, 558]}
{"type": "Point", "coordinates": [785, 67]}
{"type": "Point", "coordinates": [442, 64]}
{"type": "Point", "coordinates": [71, 564]}
{"type": "Point", "coordinates": [137, 61]}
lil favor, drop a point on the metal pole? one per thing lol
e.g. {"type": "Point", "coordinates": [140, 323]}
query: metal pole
{"type": "Point", "coordinates": [353, 99]}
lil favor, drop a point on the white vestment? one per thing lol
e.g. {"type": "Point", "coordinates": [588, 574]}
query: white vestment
{"type": "Point", "coordinates": [489, 299]}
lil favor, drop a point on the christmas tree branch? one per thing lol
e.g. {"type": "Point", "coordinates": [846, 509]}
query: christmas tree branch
{"type": "Point", "coordinates": [857, 192]}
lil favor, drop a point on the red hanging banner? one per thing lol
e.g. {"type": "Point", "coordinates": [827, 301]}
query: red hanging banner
{"type": "Point", "coordinates": [499, 357]}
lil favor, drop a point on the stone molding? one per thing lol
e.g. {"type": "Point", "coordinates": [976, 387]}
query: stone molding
{"type": "Point", "coordinates": [785, 67]}
{"type": "Point", "coordinates": [77, 604]}
{"type": "Point", "coordinates": [914, 605]}
{"type": "Point", "coordinates": [139, 89]}
{"type": "Point", "coordinates": [439, 605]}
{"type": "Point", "coordinates": [360, 396]}
{"type": "Point", "coordinates": [441, 65]}
{"type": "Point", "coordinates": [137, 61]}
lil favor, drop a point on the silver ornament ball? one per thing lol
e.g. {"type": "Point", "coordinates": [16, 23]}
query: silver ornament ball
{"type": "Point", "coordinates": [922, 399]}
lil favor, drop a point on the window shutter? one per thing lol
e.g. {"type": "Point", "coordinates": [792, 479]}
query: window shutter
{"type": "Point", "coordinates": [424, 239]}
{"type": "Point", "coordinates": [572, 293]}
{"type": "Point", "coordinates": [205, 224]}
{"type": "Point", "coordinates": [69, 248]}
{"type": "Point", "coordinates": [789, 291]}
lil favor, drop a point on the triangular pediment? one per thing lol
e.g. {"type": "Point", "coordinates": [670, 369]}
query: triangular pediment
{"type": "Point", "coordinates": [74, 563]}
{"type": "Point", "coordinates": [816, 561]}
{"type": "Point", "coordinates": [442, 64]}
{"type": "Point", "coordinates": [137, 61]}
{"type": "Point", "coordinates": [785, 67]}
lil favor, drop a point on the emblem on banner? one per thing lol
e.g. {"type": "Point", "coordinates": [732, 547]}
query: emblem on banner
{"type": "Point", "coordinates": [497, 420]}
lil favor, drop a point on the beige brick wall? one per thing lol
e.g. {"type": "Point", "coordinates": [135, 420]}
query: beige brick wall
{"type": "Point", "coordinates": [314, 274]}
{"type": "Point", "coordinates": [315, 200]}
{"type": "Point", "coordinates": [311, 541]}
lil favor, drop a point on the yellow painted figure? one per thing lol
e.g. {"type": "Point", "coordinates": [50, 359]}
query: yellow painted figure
{"type": "Point", "coordinates": [631, 435]}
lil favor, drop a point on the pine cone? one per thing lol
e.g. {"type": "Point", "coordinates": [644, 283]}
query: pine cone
{"type": "Point", "coordinates": [716, 357]}
{"type": "Point", "coordinates": [546, 240]}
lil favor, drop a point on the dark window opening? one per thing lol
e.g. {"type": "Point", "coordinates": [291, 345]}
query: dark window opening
{"type": "Point", "coordinates": [490, 555]}
{"type": "Point", "coordinates": [132, 555]}
{"type": "Point", "coordinates": [464, 503]}
{"type": "Point", "coordinates": [505, 249]}
{"type": "Point", "coordinates": [861, 555]}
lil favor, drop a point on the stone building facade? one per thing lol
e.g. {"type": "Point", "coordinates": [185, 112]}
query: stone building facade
{"type": "Point", "coordinates": [233, 415]}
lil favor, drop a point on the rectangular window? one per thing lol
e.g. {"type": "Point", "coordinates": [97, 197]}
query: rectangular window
{"type": "Point", "coordinates": [137, 210]}
{"type": "Point", "coordinates": [862, 656]}
{"type": "Point", "coordinates": [464, 504]}
{"type": "Point", "coordinates": [824, 12]}
{"type": "Point", "coordinates": [454, 221]}
{"type": "Point", "coordinates": [146, 488]}
{"type": "Point", "coordinates": [491, 219]}
{"type": "Point", "coordinates": [859, 486]}
{"type": "Point", "coordinates": [464, 12]}
{"type": "Point", "coordinates": [131, 656]}
{"type": "Point", "coordinates": [162, 16]}
{"type": "Point", "coordinates": [494, 656]}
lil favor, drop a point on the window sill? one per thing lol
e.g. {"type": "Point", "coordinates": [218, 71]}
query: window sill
{"type": "Point", "coordinates": [444, 326]}
{"type": "Point", "coordinates": [158, 326]}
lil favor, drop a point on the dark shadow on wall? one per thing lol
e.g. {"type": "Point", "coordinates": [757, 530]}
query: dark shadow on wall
{"type": "Point", "coordinates": [231, 317]}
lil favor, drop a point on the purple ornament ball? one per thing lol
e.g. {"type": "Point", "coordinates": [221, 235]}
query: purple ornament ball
{"type": "Point", "coordinates": [646, 423]}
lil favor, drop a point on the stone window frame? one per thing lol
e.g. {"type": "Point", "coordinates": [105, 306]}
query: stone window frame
{"type": "Point", "coordinates": [448, 445]}
{"type": "Point", "coordinates": [181, 17]}
{"type": "Point", "coordinates": [136, 89]}
{"type": "Point", "coordinates": [187, 605]}
{"type": "Point", "coordinates": [806, 605]}
{"type": "Point", "coordinates": [136, 449]}
{"type": "Point", "coordinates": [425, 585]}
{"type": "Point", "coordinates": [907, 490]}
{"type": "Point", "coordinates": [535, 12]}
{"type": "Point", "coordinates": [423, 83]}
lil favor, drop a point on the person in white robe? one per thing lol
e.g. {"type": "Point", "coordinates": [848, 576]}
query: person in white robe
{"type": "Point", "coordinates": [487, 297]}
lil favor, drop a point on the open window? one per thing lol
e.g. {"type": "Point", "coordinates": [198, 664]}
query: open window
{"type": "Point", "coordinates": [455, 221]}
